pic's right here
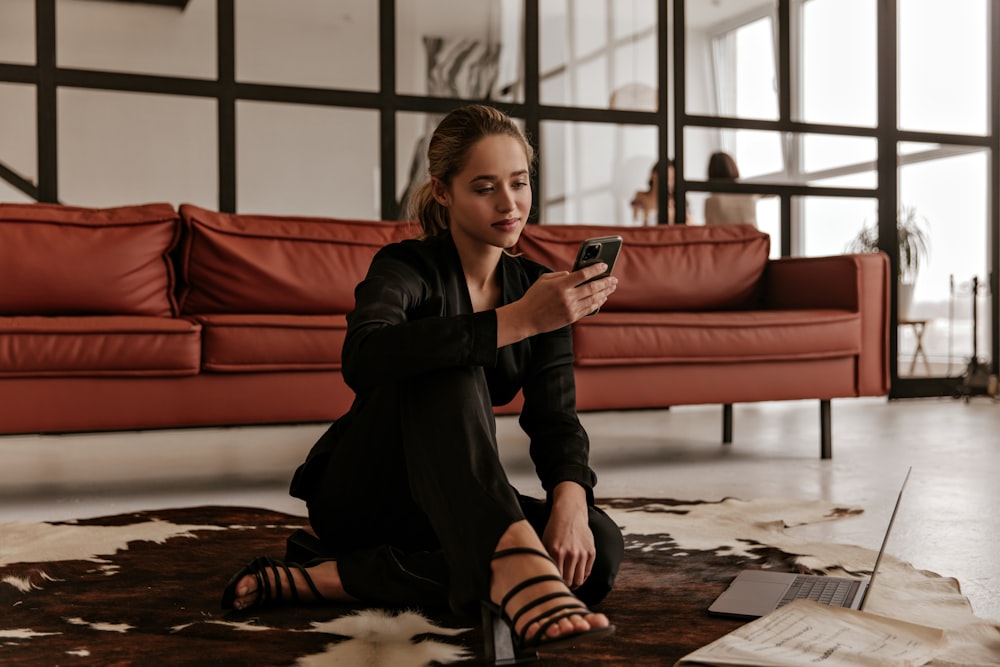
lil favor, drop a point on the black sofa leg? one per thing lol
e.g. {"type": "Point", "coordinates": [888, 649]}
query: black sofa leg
{"type": "Point", "coordinates": [825, 430]}
{"type": "Point", "coordinates": [727, 423]}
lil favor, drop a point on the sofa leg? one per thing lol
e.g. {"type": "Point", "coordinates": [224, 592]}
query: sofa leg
{"type": "Point", "coordinates": [825, 430]}
{"type": "Point", "coordinates": [727, 423]}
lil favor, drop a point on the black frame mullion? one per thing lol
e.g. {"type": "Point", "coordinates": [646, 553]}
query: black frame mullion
{"type": "Point", "coordinates": [888, 176]}
{"type": "Point", "coordinates": [662, 103]}
{"type": "Point", "coordinates": [387, 113]}
{"type": "Point", "coordinates": [993, 233]}
{"type": "Point", "coordinates": [47, 118]}
{"type": "Point", "coordinates": [226, 101]}
{"type": "Point", "coordinates": [680, 113]}
{"type": "Point", "coordinates": [532, 93]}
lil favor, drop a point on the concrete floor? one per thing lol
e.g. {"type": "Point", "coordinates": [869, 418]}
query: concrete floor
{"type": "Point", "coordinates": [949, 521]}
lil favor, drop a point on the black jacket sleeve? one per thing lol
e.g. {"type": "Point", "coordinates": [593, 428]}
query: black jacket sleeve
{"type": "Point", "coordinates": [408, 319]}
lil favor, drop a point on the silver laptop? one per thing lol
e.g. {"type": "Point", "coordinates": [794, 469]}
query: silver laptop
{"type": "Point", "coordinates": [754, 593]}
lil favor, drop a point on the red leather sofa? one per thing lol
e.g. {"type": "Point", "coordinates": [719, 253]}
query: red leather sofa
{"type": "Point", "coordinates": [148, 316]}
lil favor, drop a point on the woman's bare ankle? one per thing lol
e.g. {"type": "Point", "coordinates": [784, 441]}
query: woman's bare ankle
{"type": "Point", "coordinates": [326, 576]}
{"type": "Point", "coordinates": [519, 534]}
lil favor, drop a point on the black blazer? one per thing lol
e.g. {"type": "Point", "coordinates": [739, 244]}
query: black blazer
{"type": "Point", "coordinates": [413, 315]}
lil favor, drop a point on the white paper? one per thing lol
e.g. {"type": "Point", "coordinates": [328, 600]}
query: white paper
{"type": "Point", "coordinates": [807, 633]}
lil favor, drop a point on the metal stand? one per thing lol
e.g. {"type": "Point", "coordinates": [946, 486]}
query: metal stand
{"type": "Point", "coordinates": [976, 379]}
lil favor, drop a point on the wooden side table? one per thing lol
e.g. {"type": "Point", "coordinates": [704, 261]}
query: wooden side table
{"type": "Point", "coordinates": [918, 326]}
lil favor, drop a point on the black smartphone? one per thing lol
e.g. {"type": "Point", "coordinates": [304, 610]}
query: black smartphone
{"type": "Point", "coordinates": [601, 249]}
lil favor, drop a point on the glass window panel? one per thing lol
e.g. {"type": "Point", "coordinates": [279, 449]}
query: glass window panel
{"type": "Point", "coordinates": [589, 19]}
{"type": "Point", "coordinates": [553, 51]}
{"type": "Point", "coordinates": [307, 160]}
{"type": "Point", "coordinates": [769, 221]}
{"type": "Point", "coordinates": [595, 59]}
{"type": "Point", "coordinates": [295, 43]}
{"type": "Point", "coordinates": [591, 171]}
{"type": "Point", "coordinates": [453, 48]}
{"type": "Point", "coordinates": [838, 81]}
{"type": "Point", "coordinates": [138, 38]}
{"type": "Point", "coordinates": [730, 59]}
{"type": "Point", "coordinates": [946, 187]}
{"type": "Point", "coordinates": [17, 31]}
{"type": "Point", "coordinates": [816, 159]}
{"type": "Point", "coordinates": [18, 130]}
{"type": "Point", "coordinates": [118, 148]}
{"type": "Point", "coordinates": [635, 87]}
{"type": "Point", "coordinates": [838, 160]}
{"type": "Point", "coordinates": [828, 225]}
{"type": "Point", "coordinates": [943, 66]}
{"type": "Point", "coordinates": [554, 87]}
{"type": "Point", "coordinates": [591, 83]}
{"type": "Point", "coordinates": [630, 18]}
{"type": "Point", "coordinates": [758, 153]}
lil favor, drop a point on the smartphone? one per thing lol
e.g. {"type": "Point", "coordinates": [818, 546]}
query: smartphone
{"type": "Point", "coordinates": [602, 249]}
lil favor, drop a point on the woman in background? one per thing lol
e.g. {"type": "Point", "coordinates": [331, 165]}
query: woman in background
{"type": "Point", "coordinates": [406, 492]}
{"type": "Point", "coordinates": [726, 208]}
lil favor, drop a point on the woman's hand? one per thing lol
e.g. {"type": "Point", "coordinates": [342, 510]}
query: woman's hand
{"type": "Point", "coordinates": [567, 535]}
{"type": "Point", "coordinates": [553, 301]}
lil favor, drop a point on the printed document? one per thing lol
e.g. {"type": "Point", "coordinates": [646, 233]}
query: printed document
{"type": "Point", "coordinates": [809, 633]}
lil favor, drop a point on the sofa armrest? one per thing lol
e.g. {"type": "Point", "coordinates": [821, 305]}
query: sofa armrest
{"type": "Point", "coordinates": [856, 282]}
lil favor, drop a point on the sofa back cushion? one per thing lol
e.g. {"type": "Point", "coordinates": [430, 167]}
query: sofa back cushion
{"type": "Point", "coordinates": [67, 260]}
{"type": "Point", "coordinates": [263, 264]}
{"type": "Point", "coordinates": [668, 267]}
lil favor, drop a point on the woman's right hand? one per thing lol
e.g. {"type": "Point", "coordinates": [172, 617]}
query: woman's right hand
{"type": "Point", "coordinates": [553, 301]}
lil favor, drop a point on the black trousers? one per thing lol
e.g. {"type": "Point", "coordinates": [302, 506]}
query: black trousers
{"type": "Point", "coordinates": [412, 498]}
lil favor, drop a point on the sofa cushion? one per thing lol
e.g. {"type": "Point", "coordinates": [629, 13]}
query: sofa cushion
{"type": "Point", "coordinates": [99, 345]}
{"type": "Point", "coordinates": [715, 337]}
{"type": "Point", "coordinates": [263, 343]}
{"type": "Point", "coordinates": [238, 263]}
{"type": "Point", "coordinates": [667, 267]}
{"type": "Point", "coordinates": [66, 260]}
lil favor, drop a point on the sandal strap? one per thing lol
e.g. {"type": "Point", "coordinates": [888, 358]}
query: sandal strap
{"type": "Point", "coordinates": [551, 618]}
{"type": "Point", "coordinates": [309, 582]}
{"type": "Point", "coordinates": [266, 593]}
{"type": "Point", "coordinates": [534, 603]}
{"type": "Point", "coordinates": [515, 551]}
{"type": "Point", "coordinates": [292, 590]}
{"type": "Point", "coordinates": [527, 583]}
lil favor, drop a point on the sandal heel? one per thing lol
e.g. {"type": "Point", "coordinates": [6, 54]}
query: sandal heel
{"type": "Point", "coordinates": [498, 641]}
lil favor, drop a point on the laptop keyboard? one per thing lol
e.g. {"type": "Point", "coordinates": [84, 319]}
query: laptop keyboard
{"type": "Point", "coordinates": [825, 590]}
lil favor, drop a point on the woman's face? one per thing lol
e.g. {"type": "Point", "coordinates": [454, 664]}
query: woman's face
{"type": "Point", "coordinates": [489, 200]}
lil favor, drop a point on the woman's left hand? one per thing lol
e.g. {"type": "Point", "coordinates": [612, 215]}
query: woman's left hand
{"type": "Point", "coordinates": [568, 538]}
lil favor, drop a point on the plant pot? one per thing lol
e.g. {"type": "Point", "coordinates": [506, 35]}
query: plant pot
{"type": "Point", "coordinates": [904, 301]}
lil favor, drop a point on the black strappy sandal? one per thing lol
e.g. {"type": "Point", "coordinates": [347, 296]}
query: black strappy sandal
{"type": "Point", "coordinates": [506, 646]}
{"type": "Point", "coordinates": [265, 596]}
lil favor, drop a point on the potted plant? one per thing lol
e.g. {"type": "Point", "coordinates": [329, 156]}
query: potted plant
{"type": "Point", "coordinates": [913, 251]}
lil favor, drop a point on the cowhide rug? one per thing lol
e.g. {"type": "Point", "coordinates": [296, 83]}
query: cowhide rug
{"type": "Point", "coordinates": [144, 588]}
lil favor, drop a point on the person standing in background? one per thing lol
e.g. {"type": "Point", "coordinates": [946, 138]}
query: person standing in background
{"type": "Point", "coordinates": [728, 208]}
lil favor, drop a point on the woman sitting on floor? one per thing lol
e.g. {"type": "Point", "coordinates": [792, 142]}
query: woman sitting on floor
{"type": "Point", "coordinates": [406, 492]}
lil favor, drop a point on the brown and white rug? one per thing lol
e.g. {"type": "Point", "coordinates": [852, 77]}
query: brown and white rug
{"type": "Point", "coordinates": [143, 589]}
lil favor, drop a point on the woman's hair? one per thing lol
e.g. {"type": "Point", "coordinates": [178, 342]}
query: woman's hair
{"type": "Point", "coordinates": [722, 166]}
{"type": "Point", "coordinates": [448, 153]}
